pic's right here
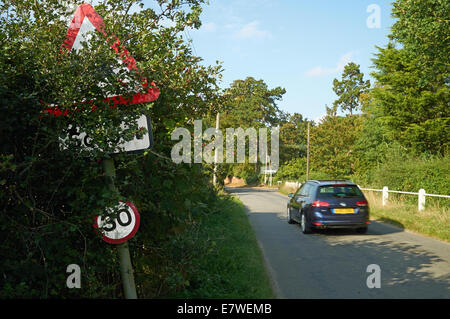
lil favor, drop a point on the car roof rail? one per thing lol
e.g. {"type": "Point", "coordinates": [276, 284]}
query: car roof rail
{"type": "Point", "coordinates": [330, 180]}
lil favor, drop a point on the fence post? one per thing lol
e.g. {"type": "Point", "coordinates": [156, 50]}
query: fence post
{"type": "Point", "coordinates": [385, 195]}
{"type": "Point", "coordinates": [421, 199]}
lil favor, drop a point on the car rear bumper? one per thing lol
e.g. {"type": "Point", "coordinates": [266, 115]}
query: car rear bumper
{"type": "Point", "coordinates": [321, 224]}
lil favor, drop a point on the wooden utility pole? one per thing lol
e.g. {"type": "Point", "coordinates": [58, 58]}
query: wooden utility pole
{"type": "Point", "coordinates": [307, 155]}
{"type": "Point", "coordinates": [216, 154]}
{"type": "Point", "coordinates": [265, 169]}
{"type": "Point", "coordinates": [270, 172]}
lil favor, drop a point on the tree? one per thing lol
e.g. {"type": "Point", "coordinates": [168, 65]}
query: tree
{"type": "Point", "coordinates": [250, 103]}
{"type": "Point", "coordinates": [332, 145]}
{"type": "Point", "coordinates": [406, 114]}
{"type": "Point", "coordinates": [412, 81]}
{"type": "Point", "coordinates": [350, 88]}
{"type": "Point", "coordinates": [423, 30]}
{"type": "Point", "coordinates": [293, 137]}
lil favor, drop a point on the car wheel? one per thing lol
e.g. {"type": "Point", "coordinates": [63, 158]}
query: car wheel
{"type": "Point", "coordinates": [361, 230]}
{"type": "Point", "coordinates": [306, 228]}
{"type": "Point", "coordinates": [289, 218]}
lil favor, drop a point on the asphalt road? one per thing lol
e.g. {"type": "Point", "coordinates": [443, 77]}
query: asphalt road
{"type": "Point", "coordinates": [333, 263]}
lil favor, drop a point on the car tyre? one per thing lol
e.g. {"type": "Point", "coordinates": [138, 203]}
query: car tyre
{"type": "Point", "coordinates": [305, 226]}
{"type": "Point", "coordinates": [289, 218]}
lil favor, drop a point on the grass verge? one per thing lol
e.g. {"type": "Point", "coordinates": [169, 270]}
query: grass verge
{"type": "Point", "coordinates": [434, 221]}
{"type": "Point", "coordinates": [233, 268]}
{"type": "Point", "coordinates": [285, 190]}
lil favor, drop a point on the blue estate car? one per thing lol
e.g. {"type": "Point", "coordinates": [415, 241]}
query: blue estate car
{"type": "Point", "coordinates": [321, 204]}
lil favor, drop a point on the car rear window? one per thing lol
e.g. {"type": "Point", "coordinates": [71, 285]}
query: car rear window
{"type": "Point", "coordinates": [339, 191]}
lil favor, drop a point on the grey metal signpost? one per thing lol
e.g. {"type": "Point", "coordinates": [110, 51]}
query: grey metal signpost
{"type": "Point", "coordinates": [126, 269]}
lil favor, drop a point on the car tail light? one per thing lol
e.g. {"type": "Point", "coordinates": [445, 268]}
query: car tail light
{"type": "Point", "coordinates": [362, 203]}
{"type": "Point", "coordinates": [318, 203]}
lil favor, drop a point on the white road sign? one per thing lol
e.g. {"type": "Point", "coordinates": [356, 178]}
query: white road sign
{"type": "Point", "coordinates": [121, 228]}
{"type": "Point", "coordinates": [140, 142]}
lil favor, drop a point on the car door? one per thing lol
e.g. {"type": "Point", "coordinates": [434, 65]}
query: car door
{"type": "Point", "coordinates": [293, 203]}
{"type": "Point", "coordinates": [299, 200]}
{"type": "Point", "coordinates": [308, 199]}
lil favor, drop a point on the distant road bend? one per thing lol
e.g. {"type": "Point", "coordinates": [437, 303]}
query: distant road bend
{"type": "Point", "coordinates": [333, 263]}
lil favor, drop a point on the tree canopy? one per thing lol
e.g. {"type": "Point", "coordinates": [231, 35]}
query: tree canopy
{"type": "Point", "coordinates": [250, 103]}
{"type": "Point", "coordinates": [350, 88]}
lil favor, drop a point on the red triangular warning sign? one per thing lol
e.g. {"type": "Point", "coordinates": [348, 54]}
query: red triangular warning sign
{"type": "Point", "coordinates": [87, 19]}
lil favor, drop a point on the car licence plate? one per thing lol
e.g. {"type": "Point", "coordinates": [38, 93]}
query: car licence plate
{"type": "Point", "coordinates": [344, 211]}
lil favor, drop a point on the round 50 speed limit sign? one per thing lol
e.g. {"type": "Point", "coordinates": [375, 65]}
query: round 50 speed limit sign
{"type": "Point", "coordinates": [118, 228]}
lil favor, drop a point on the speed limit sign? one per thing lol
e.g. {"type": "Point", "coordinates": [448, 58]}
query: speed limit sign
{"type": "Point", "coordinates": [117, 228]}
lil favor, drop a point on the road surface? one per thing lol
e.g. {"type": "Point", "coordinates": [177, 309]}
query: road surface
{"type": "Point", "coordinates": [333, 263]}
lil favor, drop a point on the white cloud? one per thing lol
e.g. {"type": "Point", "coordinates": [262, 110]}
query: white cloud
{"type": "Point", "coordinates": [321, 71]}
{"type": "Point", "coordinates": [252, 31]}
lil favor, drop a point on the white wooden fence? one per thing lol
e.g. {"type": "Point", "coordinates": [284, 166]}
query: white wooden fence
{"type": "Point", "coordinates": [385, 193]}
{"type": "Point", "coordinates": [421, 195]}
{"type": "Point", "coordinates": [293, 184]}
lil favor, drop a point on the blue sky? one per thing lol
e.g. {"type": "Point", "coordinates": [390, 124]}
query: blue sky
{"type": "Point", "coordinates": [298, 45]}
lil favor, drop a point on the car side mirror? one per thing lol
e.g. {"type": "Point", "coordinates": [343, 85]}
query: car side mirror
{"type": "Point", "coordinates": [290, 195]}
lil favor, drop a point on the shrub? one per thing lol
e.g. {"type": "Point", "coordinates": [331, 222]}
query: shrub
{"type": "Point", "coordinates": [411, 174]}
{"type": "Point", "coordinates": [295, 170]}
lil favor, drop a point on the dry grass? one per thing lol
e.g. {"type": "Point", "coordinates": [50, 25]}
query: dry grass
{"type": "Point", "coordinates": [403, 212]}
{"type": "Point", "coordinates": [283, 189]}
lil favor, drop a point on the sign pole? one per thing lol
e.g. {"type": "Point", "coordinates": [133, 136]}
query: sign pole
{"type": "Point", "coordinates": [126, 269]}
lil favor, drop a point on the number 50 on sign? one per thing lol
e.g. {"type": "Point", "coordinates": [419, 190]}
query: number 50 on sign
{"type": "Point", "coordinates": [120, 224]}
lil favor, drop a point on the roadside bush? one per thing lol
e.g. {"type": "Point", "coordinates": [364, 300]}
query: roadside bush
{"type": "Point", "coordinates": [410, 173]}
{"type": "Point", "coordinates": [292, 170]}
{"type": "Point", "coordinates": [295, 170]}
{"type": "Point", "coordinates": [254, 179]}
